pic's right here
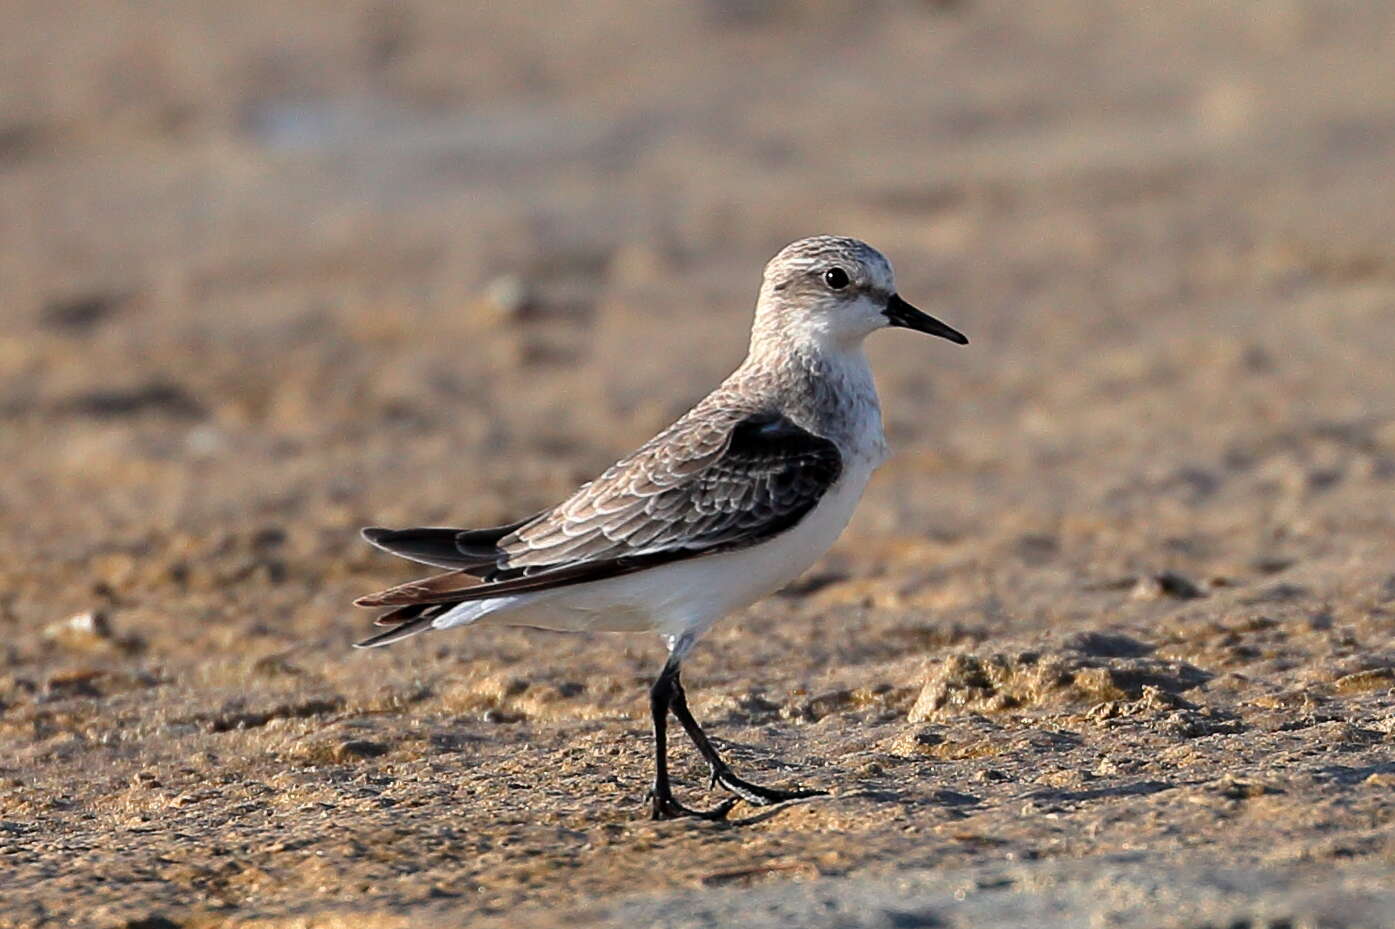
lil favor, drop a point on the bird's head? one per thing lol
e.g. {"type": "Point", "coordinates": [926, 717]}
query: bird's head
{"type": "Point", "coordinates": [834, 291]}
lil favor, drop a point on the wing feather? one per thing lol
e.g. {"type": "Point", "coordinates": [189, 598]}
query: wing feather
{"type": "Point", "coordinates": [705, 484]}
{"type": "Point", "coordinates": [718, 482]}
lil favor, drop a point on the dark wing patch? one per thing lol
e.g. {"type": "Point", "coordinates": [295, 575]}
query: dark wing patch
{"type": "Point", "coordinates": [718, 482]}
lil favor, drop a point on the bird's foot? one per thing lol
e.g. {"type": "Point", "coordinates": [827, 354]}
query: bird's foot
{"type": "Point", "coordinates": [663, 806]}
{"type": "Point", "coordinates": [757, 795]}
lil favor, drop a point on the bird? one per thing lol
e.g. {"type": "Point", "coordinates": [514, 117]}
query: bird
{"type": "Point", "coordinates": [728, 504]}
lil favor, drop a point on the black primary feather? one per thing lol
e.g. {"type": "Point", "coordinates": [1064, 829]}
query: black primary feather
{"type": "Point", "coordinates": [475, 551]}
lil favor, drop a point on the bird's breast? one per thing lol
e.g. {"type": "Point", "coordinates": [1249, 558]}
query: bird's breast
{"type": "Point", "coordinates": [844, 408]}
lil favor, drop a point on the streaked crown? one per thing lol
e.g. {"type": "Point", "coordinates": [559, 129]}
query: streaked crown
{"type": "Point", "coordinates": [867, 268]}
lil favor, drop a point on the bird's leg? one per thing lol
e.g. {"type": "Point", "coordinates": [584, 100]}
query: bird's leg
{"type": "Point", "coordinates": [721, 773]}
{"type": "Point", "coordinates": [662, 804]}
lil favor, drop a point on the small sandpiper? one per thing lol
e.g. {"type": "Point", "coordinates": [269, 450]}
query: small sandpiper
{"type": "Point", "coordinates": [730, 503]}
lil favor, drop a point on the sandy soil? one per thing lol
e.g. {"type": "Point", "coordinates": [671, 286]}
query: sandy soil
{"type": "Point", "coordinates": [1111, 640]}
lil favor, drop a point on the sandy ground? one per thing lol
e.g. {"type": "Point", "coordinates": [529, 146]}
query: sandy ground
{"type": "Point", "coordinates": [1109, 642]}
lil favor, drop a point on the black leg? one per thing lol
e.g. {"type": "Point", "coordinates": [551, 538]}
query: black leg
{"type": "Point", "coordinates": [662, 804]}
{"type": "Point", "coordinates": [721, 773]}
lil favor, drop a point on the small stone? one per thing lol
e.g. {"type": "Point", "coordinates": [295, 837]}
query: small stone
{"type": "Point", "coordinates": [80, 313]}
{"type": "Point", "coordinates": [1235, 789]}
{"type": "Point", "coordinates": [1107, 645]}
{"type": "Point", "coordinates": [1272, 564]}
{"type": "Point", "coordinates": [84, 630]}
{"type": "Point", "coordinates": [1278, 593]}
{"type": "Point", "coordinates": [1372, 679]}
{"type": "Point", "coordinates": [1166, 584]}
{"type": "Point", "coordinates": [155, 921]}
{"type": "Point", "coordinates": [76, 683]}
{"type": "Point", "coordinates": [145, 779]}
{"type": "Point", "coordinates": [355, 749]}
{"type": "Point", "coordinates": [826, 704]}
{"type": "Point", "coordinates": [496, 715]}
{"type": "Point", "coordinates": [204, 441]}
{"type": "Point", "coordinates": [268, 537]}
{"type": "Point", "coordinates": [1062, 778]}
{"type": "Point", "coordinates": [953, 798]}
{"type": "Point", "coordinates": [1385, 724]}
{"type": "Point", "coordinates": [275, 666]}
{"type": "Point", "coordinates": [508, 298]}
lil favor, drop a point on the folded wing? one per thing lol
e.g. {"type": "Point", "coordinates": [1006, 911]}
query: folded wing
{"type": "Point", "coordinates": [718, 482]}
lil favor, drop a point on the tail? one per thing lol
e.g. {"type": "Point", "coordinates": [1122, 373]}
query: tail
{"type": "Point", "coordinates": [464, 552]}
{"type": "Point", "coordinates": [468, 552]}
{"type": "Point", "coordinates": [407, 621]}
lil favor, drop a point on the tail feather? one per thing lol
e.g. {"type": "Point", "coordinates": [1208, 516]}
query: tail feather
{"type": "Point", "coordinates": [398, 632]}
{"type": "Point", "coordinates": [416, 618]}
{"type": "Point", "coordinates": [475, 551]}
{"type": "Point", "coordinates": [450, 587]}
{"type": "Point", "coordinates": [402, 614]}
{"type": "Point", "coordinates": [467, 554]}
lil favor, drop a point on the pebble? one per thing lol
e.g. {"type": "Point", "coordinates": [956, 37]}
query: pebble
{"type": "Point", "coordinates": [1235, 789]}
{"type": "Point", "coordinates": [354, 749]}
{"type": "Point", "coordinates": [80, 313]}
{"type": "Point", "coordinates": [1372, 679]}
{"type": "Point", "coordinates": [1166, 584]}
{"type": "Point", "coordinates": [85, 630]}
{"type": "Point", "coordinates": [79, 682]}
{"type": "Point", "coordinates": [508, 298]}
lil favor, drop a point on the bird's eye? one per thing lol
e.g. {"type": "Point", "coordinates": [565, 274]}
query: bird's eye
{"type": "Point", "coordinates": [835, 278]}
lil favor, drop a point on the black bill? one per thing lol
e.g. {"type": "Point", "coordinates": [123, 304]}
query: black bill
{"type": "Point", "coordinates": [906, 316]}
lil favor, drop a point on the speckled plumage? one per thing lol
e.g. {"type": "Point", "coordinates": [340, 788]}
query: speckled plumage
{"type": "Point", "coordinates": [748, 464]}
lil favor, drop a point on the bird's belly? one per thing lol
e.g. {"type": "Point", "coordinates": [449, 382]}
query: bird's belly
{"type": "Point", "coordinates": [689, 596]}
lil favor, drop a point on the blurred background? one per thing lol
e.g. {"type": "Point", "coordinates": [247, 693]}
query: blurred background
{"type": "Point", "coordinates": [271, 271]}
